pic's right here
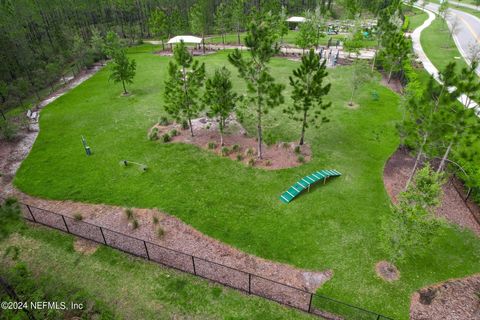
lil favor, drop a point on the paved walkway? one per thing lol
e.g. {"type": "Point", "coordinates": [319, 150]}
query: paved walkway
{"type": "Point", "coordinates": [467, 30]}
{"type": "Point", "coordinates": [428, 65]}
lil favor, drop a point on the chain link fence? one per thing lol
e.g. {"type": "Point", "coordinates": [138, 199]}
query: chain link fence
{"type": "Point", "coordinates": [246, 282]}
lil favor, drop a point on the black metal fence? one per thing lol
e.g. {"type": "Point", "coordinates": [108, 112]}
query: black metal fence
{"type": "Point", "coordinates": [246, 282]}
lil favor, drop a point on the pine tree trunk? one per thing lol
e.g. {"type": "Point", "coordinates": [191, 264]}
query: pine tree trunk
{"type": "Point", "coordinates": [259, 131]}
{"type": "Point", "coordinates": [445, 157]}
{"type": "Point", "coordinates": [238, 36]}
{"type": "Point", "coordinates": [302, 136]}
{"type": "Point", "coordinates": [190, 125]}
{"type": "Point", "coordinates": [203, 42]}
{"type": "Point", "coordinates": [390, 74]}
{"type": "Point", "coordinates": [124, 88]}
{"type": "Point", "coordinates": [417, 160]}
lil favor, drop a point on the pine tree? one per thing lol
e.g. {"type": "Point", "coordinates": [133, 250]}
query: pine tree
{"type": "Point", "coordinates": [308, 92]}
{"type": "Point", "coordinates": [182, 88]}
{"type": "Point", "coordinates": [123, 69]}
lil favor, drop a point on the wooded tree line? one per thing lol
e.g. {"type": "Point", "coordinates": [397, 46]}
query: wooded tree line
{"type": "Point", "coordinates": [42, 41]}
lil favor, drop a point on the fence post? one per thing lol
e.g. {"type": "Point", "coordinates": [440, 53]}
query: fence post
{"type": "Point", "coordinates": [31, 213]}
{"type": "Point", "coordinates": [193, 262]}
{"type": "Point", "coordinates": [249, 283]}
{"type": "Point", "coordinates": [146, 250]}
{"type": "Point", "coordinates": [63, 218]}
{"type": "Point", "coordinates": [310, 303]}
{"type": "Point", "coordinates": [103, 236]}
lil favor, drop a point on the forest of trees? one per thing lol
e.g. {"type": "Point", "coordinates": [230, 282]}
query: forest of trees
{"type": "Point", "coordinates": [42, 41]}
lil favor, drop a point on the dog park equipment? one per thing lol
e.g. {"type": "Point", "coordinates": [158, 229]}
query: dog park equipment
{"type": "Point", "coordinates": [142, 167]}
{"type": "Point", "coordinates": [85, 145]}
{"type": "Point", "coordinates": [304, 184]}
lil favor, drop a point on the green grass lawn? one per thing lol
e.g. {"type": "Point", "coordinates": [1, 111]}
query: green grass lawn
{"type": "Point", "coordinates": [417, 17]}
{"type": "Point", "coordinates": [336, 226]}
{"type": "Point", "coordinates": [133, 288]}
{"type": "Point", "coordinates": [439, 45]}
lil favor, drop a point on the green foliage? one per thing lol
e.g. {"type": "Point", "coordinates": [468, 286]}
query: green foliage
{"type": "Point", "coordinates": [297, 150]}
{"type": "Point", "coordinates": [362, 74]}
{"type": "Point", "coordinates": [251, 162]}
{"type": "Point", "coordinates": [10, 218]}
{"type": "Point", "coordinates": [155, 220]}
{"type": "Point", "coordinates": [160, 232]}
{"type": "Point", "coordinates": [225, 151]}
{"type": "Point", "coordinates": [262, 91]}
{"type": "Point", "coordinates": [239, 157]}
{"type": "Point", "coordinates": [123, 70]}
{"type": "Point", "coordinates": [153, 134]}
{"type": "Point", "coordinates": [164, 121]}
{"type": "Point", "coordinates": [308, 92]}
{"type": "Point", "coordinates": [212, 145]}
{"type": "Point", "coordinates": [135, 224]}
{"type": "Point", "coordinates": [8, 130]}
{"type": "Point", "coordinates": [182, 88]}
{"type": "Point", "coordinates": [166, 138]}
{"type": "Point", "coordinates": [173, 132]}
{"type": "Point", "coordinates": [301, 159]}
{"type": "Point", "coordinates": [129, 213]}
{"type": "Point", "coordinates": [412, 226]}
{"type": "Point", "coordinates": [235, 148]}
{"type": "Point", "coordinates": [78, 216]}
{"type": "Point", "coordinates": [185, 125]}
{"type": "Point", "coordinates": [220, 98]}
{"type": "Point", "coordinates": [158, 23]}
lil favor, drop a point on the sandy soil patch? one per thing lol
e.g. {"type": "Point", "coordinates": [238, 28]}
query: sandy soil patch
{"type": "Point", "coordinates": [453, 207]}
{"type": "Point", "coordinates": [85, 246]}
{"type": "Point", "coordinates": [387, 271]}
{"type": "Point", "coordinates": [240, 146]}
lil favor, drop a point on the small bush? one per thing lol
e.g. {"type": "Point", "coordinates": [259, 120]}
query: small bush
{"type": "Point", "coordinates": [212, 145]}
{"type": "Point", "coordinates": [153, 134]}
{"type": "Point", "coordinates": [301, 159]}
{"type": "Point", "coordinates": [249, 152]}
{"type": "Point", "coordinates": [285, 145]}
{"type": "Point", "coordinates": [166, 137]}
{"type": "Point", "coordinates": [185, 125]}
{"type": "Point", "coordinates": [164, 121]}
{"type": "Point", "coordinates": [135, 224]}
{"type": "Point", "coordinates": [268, 163]}
{"type": "Point", "coordinates": [251, 162]}
{"type": "Point", "coordinates": [239, 157]}
{"type": "Point", "coordinates": [297, 150]}
{"type": "Point", "coordinates": [155, 220]}
{"type": "Point", "coordinates": [160, 232]}
{"type": "Point", "coordinates": [129, 213]}
{"type": "Point", "coordinates": [174, 132]}
{"type": "Point", "coordinates": [8, 130]}
{"type": "Point", "coordinates": [78, 217]}
{"type": "Point", "coordinates": [235, 148]}
{"type": "Point", "coordinates": [208, 126]}
{"type": "Point", "coordinates": [225, 151]}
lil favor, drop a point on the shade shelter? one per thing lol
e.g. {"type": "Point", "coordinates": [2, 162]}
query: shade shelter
{"type": "Point", "coordinates": [297, 19]}
{"type": "Point", "coordinates": [185, 39]}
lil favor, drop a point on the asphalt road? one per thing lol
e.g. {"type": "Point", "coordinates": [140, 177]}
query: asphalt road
{"type": "Point", "coordinates": [467, 30]}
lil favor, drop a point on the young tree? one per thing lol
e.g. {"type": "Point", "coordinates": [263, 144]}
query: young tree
{"type": "Point", "coordinates": [397, 49]}
{"type": "Point", "coordinates": [412, 224]}
{"type": "Point", "coordinates": [443, 10]}
{"type": "Point", "coordinates": [123, 69]}
{"type": "Point", "coordinates": [262, 91]}
{"type": "Point", "coordinates": [158, 25]}
{"type": "Point", "coordinates": [308, 92]}
{"type": "Point", "coordinates": [306, 35]}
{"type": "Point", "coordinates": [112, 44]}
{"type": "Point", "coordinates": [182, 89]}
{"type": "Point", "coordinates": [200, 19]}
{"type": "Point", "coordinates": [361, 75]}
{"type": "Point", "coordinates": [237, 8]}
{"type": "Point", "coordinates": [222, 20]}
{"type": "Point", "coordinates": [97, 44]}
{"type": "Point", "coordinates": [220, 98]}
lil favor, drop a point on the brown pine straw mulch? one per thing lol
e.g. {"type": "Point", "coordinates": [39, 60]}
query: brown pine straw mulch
{"type": "Point", "coordinates": [279, 156]}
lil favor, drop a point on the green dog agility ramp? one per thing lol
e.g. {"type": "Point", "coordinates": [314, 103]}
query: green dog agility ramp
{"type": "Point", "coordinates": [304, 184]}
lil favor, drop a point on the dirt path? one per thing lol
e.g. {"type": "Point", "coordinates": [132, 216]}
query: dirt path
{"type": "Point", "coordinates": [453, 208]}
{"type": "Point", "coordinates": [177, 235]}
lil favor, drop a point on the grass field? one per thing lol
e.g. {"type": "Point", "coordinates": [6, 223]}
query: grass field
{"type": "Point", "coordinates": [439, 45]}
{"type": "Point", "coordinates": [417, 17]}
{"type": "Point", "coordinates": [133, 288]}
{"type": "Point", "coordinates": [336, 227]}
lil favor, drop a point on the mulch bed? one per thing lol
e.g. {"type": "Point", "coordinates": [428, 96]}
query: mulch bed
{"type": "Point", "coordinates": [452, 208]}
{"type": "Point", "coordinates": [279, 156]}
{"type": "Point", "coordinates": [452, 300]}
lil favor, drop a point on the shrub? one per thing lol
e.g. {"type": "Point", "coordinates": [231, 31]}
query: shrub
{"type": "Point", "coordinates": [78, 216]}
{"type": "Point", "coordinates": [249, 152]}
{"type": "Point", "coordinates": [225, 151]}
{"type": "Point", "coordinates": [166, 137]}
{"type": "Point", "coordinates": [301, 159]}
{"type": "Point", "coordinates": [185, 125]}
{"type": "Point", "coordinates": [208, 126]}
{"type": "Point", "coordinates": [164, 121]}
{"type": "Point", "coordinates": [268, 163]}
{"type": "Point", "coordinates": [160, 232]}
{"type": "Point", "coordinates": [153, 134]}
{"type": "Point", "coordinates": [8, 130]}
{"type": "Point", "coordinates": [239, 157]}
{"type": "Point", "coordinates": [297, 150]}
{"type": "Point", "coordinates": [235, 148]}
{"type": "Point", "coordinates": [155, 220]}
{"type": "Point", "coordinates": [174, 132]}
{"type": "Point", "coordinates": [251, 162]}
{"type": "Point", "coordinates": [285, 145]}
{"type": "Point", "coordinates": [129, 213]}
{"type": "Point", "coordinates": [212, 145]}
{"type": "Point", "coordinates": [135, 224]}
